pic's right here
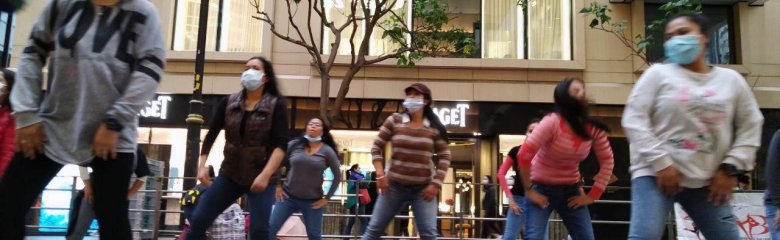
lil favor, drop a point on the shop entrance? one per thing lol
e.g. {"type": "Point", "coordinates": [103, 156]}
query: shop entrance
{"type": "Point", "coordinates": [459, 193]}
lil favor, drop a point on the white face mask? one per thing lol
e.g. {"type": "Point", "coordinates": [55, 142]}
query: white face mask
{"type": "Point", "coordinates": [252, 79]}
{"type": "Point", "coordinates": [414, 104]}
{"type": "Point", "coordinates": [485, 182]}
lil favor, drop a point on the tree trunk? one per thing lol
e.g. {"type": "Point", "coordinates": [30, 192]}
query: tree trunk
{"type": "Point", "coordinates": [325, 97]}
{"type": "Point", "coordinates": [343, 90]}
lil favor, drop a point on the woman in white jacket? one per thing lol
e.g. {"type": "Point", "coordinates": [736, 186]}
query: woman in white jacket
{"type": "Point", "coordinates": [693, 129]}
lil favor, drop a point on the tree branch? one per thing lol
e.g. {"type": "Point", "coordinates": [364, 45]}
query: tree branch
{"type": "Point", "coordinates": [311, 34]}
{"type": "Point", "coordinates": [354, 30]}
{"type": "Point", "coordinates": [312, 48]}
{"type": "Point", "coordinates": [398, 53]}
{"type": "Point", "coordinates": [265, 18]}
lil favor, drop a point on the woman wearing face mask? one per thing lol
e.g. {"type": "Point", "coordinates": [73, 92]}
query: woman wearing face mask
{"type": "Point", "coordinates": [490, 229]}
{"type": "Point", "coordinates": [416, 135]}
{"type": "Point", "coordinates": [561, 141]}
{"type": "Point", "coordinates": [515, 220]}
{"type": "Point", "coordinates": [256, 130]}
{"type": "Point", "coordinates": [693, 129]}
{"type": "Point", "coordinates": [7, 125]}
{"type": "Point", "coordinates": [306, 158]}
{"type": "Point", "coordinates": [356, 181]}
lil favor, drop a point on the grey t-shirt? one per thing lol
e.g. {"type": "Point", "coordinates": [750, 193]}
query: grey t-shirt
{"type": "Point", "coordinates": [304, 176]}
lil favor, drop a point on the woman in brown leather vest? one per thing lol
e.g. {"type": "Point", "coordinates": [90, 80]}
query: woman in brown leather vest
{"type": "Point", "coordinates": [256, 132]}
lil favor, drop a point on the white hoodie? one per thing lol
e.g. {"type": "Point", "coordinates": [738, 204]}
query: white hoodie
{"type": "Point", "coordinates": [693, 121]}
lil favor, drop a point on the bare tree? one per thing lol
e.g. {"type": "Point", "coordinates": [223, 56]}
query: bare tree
{"type": "Point", "coordinates": [412, 42]}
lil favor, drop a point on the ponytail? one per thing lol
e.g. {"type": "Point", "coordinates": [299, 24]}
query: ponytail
{"type": "Point", "coordinates": [436, 122]}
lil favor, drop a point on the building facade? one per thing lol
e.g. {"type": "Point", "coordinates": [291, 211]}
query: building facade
{"type": "Point", "coordinates": [485, 98]}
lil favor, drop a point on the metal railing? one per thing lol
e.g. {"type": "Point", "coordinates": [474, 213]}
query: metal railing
{"type": "Point", "coordinates": [461, 225]}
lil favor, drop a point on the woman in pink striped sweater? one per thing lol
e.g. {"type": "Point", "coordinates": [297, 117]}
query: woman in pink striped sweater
{"type": "Point", "coordinates": [561, 141]}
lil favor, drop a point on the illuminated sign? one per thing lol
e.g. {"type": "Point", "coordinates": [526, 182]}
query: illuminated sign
{"type": "Point", "coordinates": [453, 116]}
{"type": "Point", "coordinates": [156, 108]}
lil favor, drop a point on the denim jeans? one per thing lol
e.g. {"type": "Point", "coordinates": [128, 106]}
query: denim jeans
{"type": "Point", "coordinates": [224, 192]}
{"type": "Point", "coordinates": [516, 222]}
{"type": "Point", "coordinates": [389, 204]}
{"type": "Point", "coordinates": [771, 212]}
{"type": "Point", "coordinates": [312, 218]}
{"type": "Point", "coordinates": [359, 210]}
{"type": "Point", "coordinates": [650, 208]}
{"type": "Point", "coordinates": [577, 221]}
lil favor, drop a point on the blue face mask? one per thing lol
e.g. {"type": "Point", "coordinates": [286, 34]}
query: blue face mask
{"type": "Point", "coordinates": [312, 139]}
{"type": "Point", "coordinates": [682, 50]}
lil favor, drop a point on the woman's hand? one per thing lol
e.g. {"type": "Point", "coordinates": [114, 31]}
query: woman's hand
{"type": "Point", "coordinates": [514, 208]}
{"type": "Point", "coordinates": [281, 195]}
{"type": "Point", "coordinates": [319, 204]}
{"type": "Point", "coordinates": [538, 199]}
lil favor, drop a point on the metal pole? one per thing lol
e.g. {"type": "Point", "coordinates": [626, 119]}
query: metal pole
{"type": "Point", "coordinates": [195, 118]}
{"type": "Point", "coordinates": [6, 59]}
{"type": "Point", "coordinates": [156, 207]}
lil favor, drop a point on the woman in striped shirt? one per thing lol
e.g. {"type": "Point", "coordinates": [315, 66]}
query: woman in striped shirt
{"type": "Point", "coordinates": [556, 148]}
{"type": "Point", "coordinates": [412, 176]}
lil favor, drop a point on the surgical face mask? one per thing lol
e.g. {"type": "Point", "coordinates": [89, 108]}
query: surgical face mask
{"type": "Point", "coordinates": [252, 79]}
{"type": "Point", "coordinates": [485, 182]}
{"type": "Point", "coordinates": [312, 139]}
{"type": "Point", "coordinates": [682, 50]}
{"type": "Point", "coordinates": [414, 104]}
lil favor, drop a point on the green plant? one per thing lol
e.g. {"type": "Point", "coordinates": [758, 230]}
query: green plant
{"type": "Point", "coordinates": [11, 5]}
{"type": "Point", "coordinates": [601, 20]}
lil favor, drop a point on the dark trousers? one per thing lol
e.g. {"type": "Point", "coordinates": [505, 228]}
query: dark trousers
{"type": "Point", "coordinates": [224, 192]}
{"type": "Point", "coordinates": [25, 180]}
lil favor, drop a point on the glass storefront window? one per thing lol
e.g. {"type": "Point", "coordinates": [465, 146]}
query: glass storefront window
{"type": "Point", "coordinates": [176, 138]}
{"type": "Point", "coordinates": [549, 29]}
{"type": "Point", "coordinates": [503, 24]}
{"type": "Point", "coordinates": [231, 27]}
{"type": "Point", "coordinates": [499, 28]}
{"type": "Point", "coordinates": [338, 12]}
{"type": "Point", "coordinates": [548, 33]}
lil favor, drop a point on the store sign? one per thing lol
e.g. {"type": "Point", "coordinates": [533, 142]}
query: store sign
{"type": "Point", "coordinates": [453, 116]}
{"type": "Point", "coordinates": [157, 109]}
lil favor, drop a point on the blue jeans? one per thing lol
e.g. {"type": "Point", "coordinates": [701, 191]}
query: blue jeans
{"type": "Point", "coordinates": [577, 221]}
{"type": "Point", "coordinates": [771, 212]}
{"type": "Point", "coordinates": [389, 204]}
{"type": "Point", "coordinates": [650, 208]}
{"type": "Point", "coordinates": [359, 210]}
{"type": "Point", "coordinates": [312, 218]}
{"type": "Point", "coordinates": [224, 192]}
{"type": "Point", "coordinates": [516, 222]}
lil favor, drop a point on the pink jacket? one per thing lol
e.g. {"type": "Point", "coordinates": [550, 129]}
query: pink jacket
{"type": "Point", "coordinates": [7, 138]}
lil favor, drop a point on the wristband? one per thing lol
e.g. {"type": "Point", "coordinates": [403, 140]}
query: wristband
{"type": "Point", "coordinates": [730, 170]}
{"type": "Point", "coordinates": [113, 124]}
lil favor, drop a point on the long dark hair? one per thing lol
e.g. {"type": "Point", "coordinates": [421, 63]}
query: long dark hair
{"type": "Point", "coordinates": [696, 18]}
{"type": "Point", "coordinates": [574, 111]}
{"type": "Point", "coordinates": [327, 138]}
{"type": "Point", "coordinates": [436, 122]}
{"type": "Point", "coordinates": [270, 87]}
{"type": "Point", "coordinates": [9, 77]}
{"type": "Point", "coordinates": [352, 170]}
